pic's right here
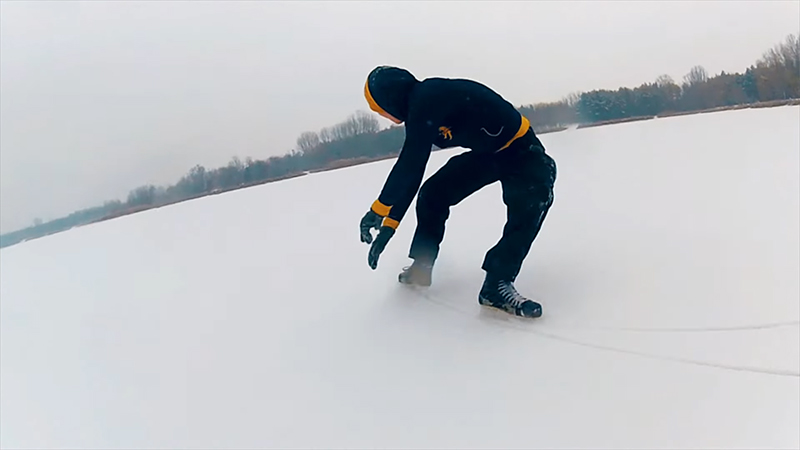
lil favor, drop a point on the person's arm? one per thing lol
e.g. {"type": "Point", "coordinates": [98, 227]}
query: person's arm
{"type": "Point", "coordinates": [405, 177]}
{"type": "Point", "coordinates": [401, 185]}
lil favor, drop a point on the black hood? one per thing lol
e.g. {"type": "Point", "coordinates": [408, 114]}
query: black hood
{"type": "Point", "coordinates": [390, 88]}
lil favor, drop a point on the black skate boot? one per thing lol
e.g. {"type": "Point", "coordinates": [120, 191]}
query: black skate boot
{"type": "Point", "coordinates": [418, 273]}
{"type": "Point", "coordinates": [502, 295]}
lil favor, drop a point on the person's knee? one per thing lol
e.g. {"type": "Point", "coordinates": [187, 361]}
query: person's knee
{"type": "Point", "coordinates": [530, 200]}
{"type": "Point", "coordinates": [429, 199]}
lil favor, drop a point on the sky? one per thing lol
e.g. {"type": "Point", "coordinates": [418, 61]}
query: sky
{"type": "Point", "coordinates": [97, 98]}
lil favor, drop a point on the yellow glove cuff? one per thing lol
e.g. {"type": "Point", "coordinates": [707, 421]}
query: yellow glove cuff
{"type": "Point", "coordinates": [380, 209]}
{"type": "Point", "coordinates": [391, 223]}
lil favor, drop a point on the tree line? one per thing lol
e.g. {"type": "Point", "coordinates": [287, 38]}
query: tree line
{"type": "Point", "coordinates": [774, 76]}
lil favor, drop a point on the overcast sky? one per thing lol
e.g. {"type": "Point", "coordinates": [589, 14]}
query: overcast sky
{"type": "Point", "coordinates": [97, 98]}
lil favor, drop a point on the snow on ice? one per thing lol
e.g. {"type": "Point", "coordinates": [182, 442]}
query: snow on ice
{"type": "Point", "coordinates": [667, 269]}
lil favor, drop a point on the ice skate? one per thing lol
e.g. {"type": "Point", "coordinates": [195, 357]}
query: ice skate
{"type": "Point", "coordinates": [417, 273]}
{"type": "Point", "coordinates": [502, 295]}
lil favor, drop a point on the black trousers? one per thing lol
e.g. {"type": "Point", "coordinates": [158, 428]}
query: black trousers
{"type": "Point", "coordinates": [527, 175]}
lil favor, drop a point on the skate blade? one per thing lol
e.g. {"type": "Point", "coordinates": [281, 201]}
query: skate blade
{"type": "Point", "coordinates": [414, 287]}
{"type": "Point", "coordinates": [495, 313]}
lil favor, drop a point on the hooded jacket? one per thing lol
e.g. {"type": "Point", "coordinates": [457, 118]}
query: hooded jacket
{"type": "Point", "coordinates": [437, 111]}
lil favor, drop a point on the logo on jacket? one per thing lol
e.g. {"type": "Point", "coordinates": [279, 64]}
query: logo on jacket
{"type": "Point", "coordinates": [446, 133]}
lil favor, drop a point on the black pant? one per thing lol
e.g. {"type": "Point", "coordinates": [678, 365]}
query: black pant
{"type": "Point", "coordinates": [527, 175]}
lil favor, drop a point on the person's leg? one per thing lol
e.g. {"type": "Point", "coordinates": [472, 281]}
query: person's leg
{"type": "Point", "coordinates": [528, 177]}
{"type": "Point", "coordinates": [461, 176]}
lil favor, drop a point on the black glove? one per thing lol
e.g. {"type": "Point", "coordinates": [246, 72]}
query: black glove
{"type": "Point", "coordinates": [375, 251]}
{"type": "Point", "coordinates": [370, 220]}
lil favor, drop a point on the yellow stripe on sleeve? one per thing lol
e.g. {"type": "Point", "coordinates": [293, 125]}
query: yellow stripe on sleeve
{"type": "Point", "coordinates": [391, 223]}
{"type": "Point", "coordinates": [523, 128]}
{"type": "Point", "coordinates": [380, 209]}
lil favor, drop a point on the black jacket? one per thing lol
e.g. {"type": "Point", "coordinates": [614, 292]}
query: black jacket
{"type": "Point", "coordinates": [445, 113]}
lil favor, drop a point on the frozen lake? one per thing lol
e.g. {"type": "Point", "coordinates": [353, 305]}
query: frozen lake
{"type": "Point", "coordinates": [668, 270]}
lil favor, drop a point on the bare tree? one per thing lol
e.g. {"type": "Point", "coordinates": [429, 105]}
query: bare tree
{"type": "Point", "coordinates": [777, 72]}
{"type": "Point", "coordinates": [664, 81]}
{"type": "Point", "coordinates": [696, 75]}
{"type": "Point", "coordinates": [791, 51]}
{"type": "Point", "coordinates": [359, 123]}
{"type": "Point", "coordinates": [786, 54]}
{"type": "Point", "coordinates": [325, 135]}
{"type": "Point", "coordinates": [572, 99]}
{"type": "Point", "coordinates": [365, 123]}
{"type": "Point", "coordinates": [143, 195]}
{"type": "Point", "coordinates": [307, 141]}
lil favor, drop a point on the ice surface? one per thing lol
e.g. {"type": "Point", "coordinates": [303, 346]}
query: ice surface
{"type": "Point", "coordinates": [669, 271]}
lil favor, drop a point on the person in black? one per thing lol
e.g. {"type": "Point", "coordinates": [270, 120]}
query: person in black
{"type": "Point", "coordinates": [502, 147]}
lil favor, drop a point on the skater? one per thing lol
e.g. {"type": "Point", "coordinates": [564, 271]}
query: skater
{"type": "Point", "coordinates": [502, 147]}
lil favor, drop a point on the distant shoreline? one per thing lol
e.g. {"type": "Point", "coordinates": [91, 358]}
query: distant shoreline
{"type": "Point", "coordinates": [339, 164]}
{"type": "Point", "coordinates": [768, 104]}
